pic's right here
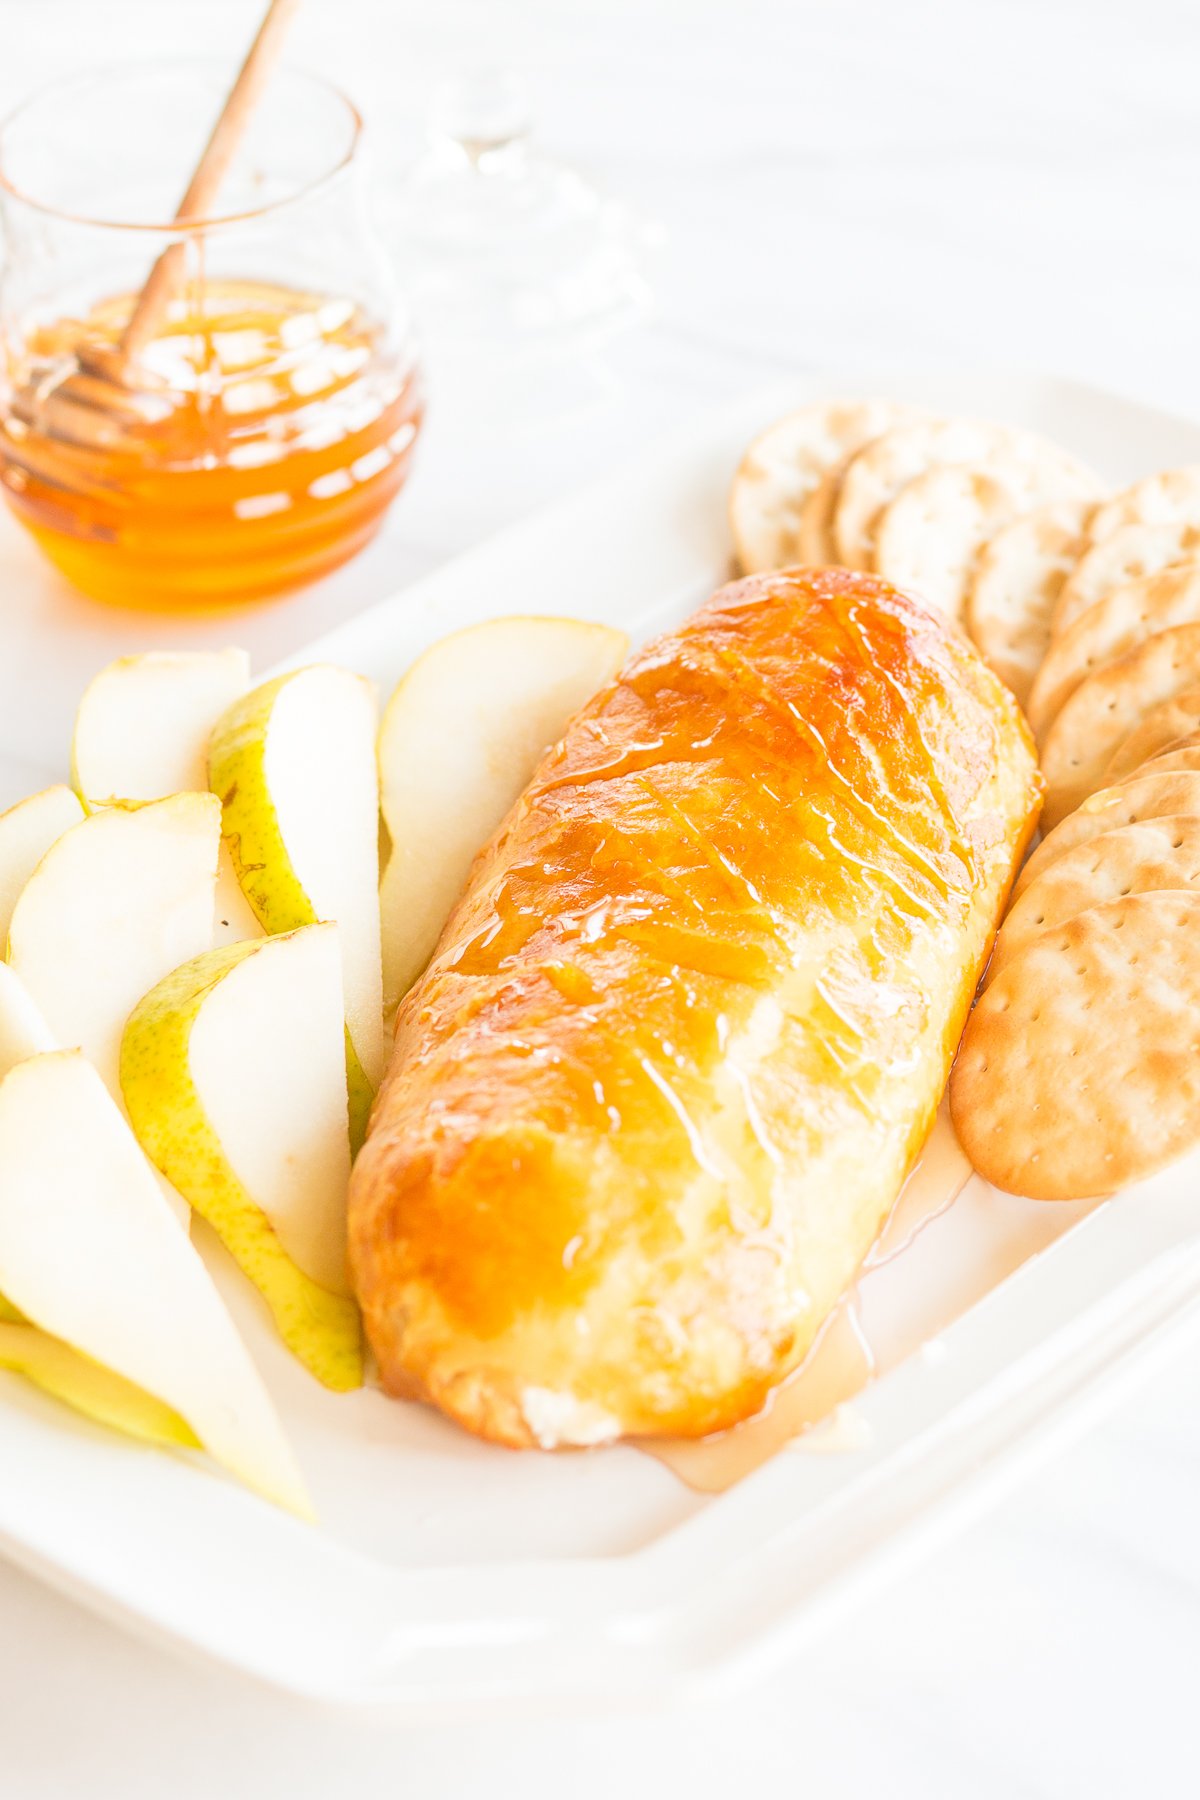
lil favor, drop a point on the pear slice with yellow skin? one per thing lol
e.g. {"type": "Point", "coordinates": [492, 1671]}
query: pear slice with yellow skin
{"type": "Point", "coordinates": [27, 831]}
{"type": "Point", "coordinates": [461, 737]}
{"type": "Point", "coordinates": [293, 764]}
{"type": "Point", "coordinates": [234, 1079]}
{"type": "Point", "coordinates": [141, 733]}
{"type": "Point", "coordinates": [97, 1393]}
{"type": "Point", "coordinates": [90, 1255]}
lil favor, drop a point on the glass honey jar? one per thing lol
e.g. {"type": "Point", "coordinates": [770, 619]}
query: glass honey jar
{"type": "Point", "coordinates": [267, 422]}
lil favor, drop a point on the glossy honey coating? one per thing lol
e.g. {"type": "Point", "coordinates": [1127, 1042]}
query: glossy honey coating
{"type": "Point", "coordinates": [686, 1031]}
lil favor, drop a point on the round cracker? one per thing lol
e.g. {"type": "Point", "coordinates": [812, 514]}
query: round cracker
{"type": "Point", "coordinates": [1182, 753]}
{"type": "Point", "coordinates": [928, 540]}
{"type": "Point", "coordinates": [1016, 585]}
{"type": "Point", "coordinates": [783, 466]}
{"type": "Point", "coordinates": [1134, 859]}
{"type": "Point", "coordinates": [814, 533]}
{"type": "Point", "coordinates": [1125, 555]}
{"type": "Point", "coordinates": [1105, 709]}
{"type": "Point", "coordinates": [878, 473]}
{"type": "Point", "coordinates": [1162, 726]}
{"type": "Point", "coordinates": [1110, 630]}
{"type": "Point", "coordinates": [1138, 801]}
{"type": "Point", "coordinates": [1079, 1070]}
{"type": "Point", "coordinates": [1168, 497]}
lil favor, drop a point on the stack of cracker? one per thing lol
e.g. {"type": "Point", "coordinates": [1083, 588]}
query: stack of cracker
{"type": "Point", "coordinates": [902, 493]}
{"type": "Point", "coordinates": [1079, 1071]}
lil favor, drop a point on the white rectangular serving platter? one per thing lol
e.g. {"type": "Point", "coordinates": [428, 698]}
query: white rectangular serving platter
{"type": "Point", "coordinates": [449, 1574]}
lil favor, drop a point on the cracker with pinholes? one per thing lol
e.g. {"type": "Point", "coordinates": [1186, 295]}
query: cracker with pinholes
{"type": "Point", "coordinates": [1182, 753]}
{"type": "Point", "coordinates": [1168, 497]}
{"type": "Point", "coordinates": [1135, 859]}
{"type": "Point", "coordinates": [1079, 1070]}
{"type": "Point", "coordinates": [1143, 799]}
{"type": "Point", "coordinates": [1110, 630]}
{"type": "Point", "coordinates": [1126, 555]}
{"type": "Point", "coordinates": [814, 530]}
{"type": "Point", "coordinates": [878, 473]}
{"type": "Point", "coordinates": [782, 468]}
{"type": "Point", "coordinates": [929, 538]}
{"type": "Point", "coordinates": [1106, 708]}
{"type": "Point", "coordinates": [1164, 725]}
{"type": "Point", "coordinates": [1015, 587]}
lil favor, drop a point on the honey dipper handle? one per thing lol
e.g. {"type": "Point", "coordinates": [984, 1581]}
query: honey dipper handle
{"type": "Point", "coordinates": [210, 171]}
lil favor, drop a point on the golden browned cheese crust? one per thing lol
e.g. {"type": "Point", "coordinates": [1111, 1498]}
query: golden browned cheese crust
{"type": "Point", "coordinates": [687, 1029]}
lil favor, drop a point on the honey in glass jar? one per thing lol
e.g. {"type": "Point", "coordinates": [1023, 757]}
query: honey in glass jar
{"type": "Point", "coordinates": [276, 401]}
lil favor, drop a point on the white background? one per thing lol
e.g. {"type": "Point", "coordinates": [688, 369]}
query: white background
{"type": "Point", "coordinates": [857, 184]}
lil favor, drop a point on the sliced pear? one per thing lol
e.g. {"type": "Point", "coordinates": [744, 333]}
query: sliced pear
{"type": "Point", "coordinates": [144, 722]}
{"type": "Point", "coordinates": [234, 1076]}
{"type": "Point", "coordinates": [461, 736]}
{"type": "Point", "coordinates": [95, 1392]}
{"type": "Point", "coordinates": [142, 733]}
{"type": "Point", "coordinates": [294, 765]}
{"type": "Point", "coordinates": [24, 1349]}
{"type": "Point", "coordinates": [25, 1033]}
{"type": "Point", "coordinates": [90, 1255]}
{"type": "Point", "coordinates": [23, 1030]}
{"type": "Point", "coordinates": [27, 831]}
{"type": "Point", "coordinates": [235, 918]}
{"type": "Point", "coordinates": [117, 903]}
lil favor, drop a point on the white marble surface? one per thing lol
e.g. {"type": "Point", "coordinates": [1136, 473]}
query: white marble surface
{"type": "Point", "coordinates": [867, 183]}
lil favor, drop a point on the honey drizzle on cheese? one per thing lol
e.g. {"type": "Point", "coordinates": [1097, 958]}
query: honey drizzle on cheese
{"type": "Point", "coordinates": [852, 1349]}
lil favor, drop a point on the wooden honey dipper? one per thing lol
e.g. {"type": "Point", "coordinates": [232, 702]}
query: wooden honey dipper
{"type": "Point", "coordinates": [109, 392]}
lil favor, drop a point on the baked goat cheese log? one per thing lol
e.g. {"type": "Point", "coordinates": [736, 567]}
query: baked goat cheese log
{"type": "Point", "coordinates": [685, 1033]}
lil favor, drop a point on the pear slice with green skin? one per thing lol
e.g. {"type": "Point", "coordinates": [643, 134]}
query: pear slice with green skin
{"type": "Point", "coordinates": [461, 737]}
{"type": "Point", "coordinates": [141, 733]}
{"type": "Point", "coordinates": [234, 1080]}
{"type": "Point", "coordinates": [293, 764]}
{"type": "Point", "coordinates": [90, 1254]}
{"type": "Point", "coordinates": [27, 831]}
{"type": "Point", "coordinates": [360, 1096]}
{"type": "Point", "coordinates": [84, 1386]}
